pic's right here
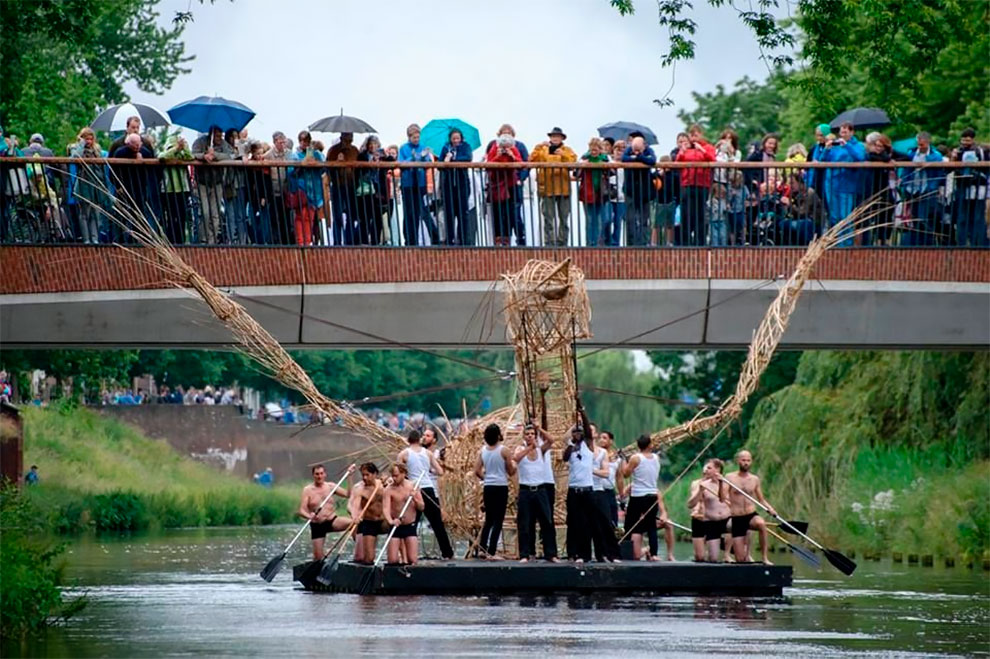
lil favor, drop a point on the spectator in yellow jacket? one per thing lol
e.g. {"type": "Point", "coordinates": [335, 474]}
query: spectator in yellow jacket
{"type": "Point", "coordinates": [554, 186]}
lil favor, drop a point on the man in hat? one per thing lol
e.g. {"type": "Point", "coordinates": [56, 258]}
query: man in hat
{"type": "Point", "coordinates": [553, 185]}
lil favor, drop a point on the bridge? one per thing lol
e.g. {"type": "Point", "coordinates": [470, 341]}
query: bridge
{"type": "Point", "coordinates": [379, 297]}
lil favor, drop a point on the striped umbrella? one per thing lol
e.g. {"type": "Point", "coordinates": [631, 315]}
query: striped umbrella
{"type": "Point", "coordinates": [114, 118]}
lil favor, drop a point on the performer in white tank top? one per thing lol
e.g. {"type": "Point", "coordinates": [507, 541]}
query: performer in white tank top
{"type": "Point", "coordinates": [494, 466]}
{"type": "Point", "coordinates": [645, 501]}
{"type": "Point", "coordinates": [418, 459]}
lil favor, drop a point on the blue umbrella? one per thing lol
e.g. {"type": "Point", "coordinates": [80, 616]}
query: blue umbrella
{"type": "Point", "coordinates": [436, 133]}
{"type": "Point", "coordinates": [206, 111]}
{"type": "Point", "coordinates": [619, 130]}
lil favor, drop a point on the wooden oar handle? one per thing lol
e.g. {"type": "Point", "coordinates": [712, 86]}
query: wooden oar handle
{"type": "Point", "coordinates": [402, 512]}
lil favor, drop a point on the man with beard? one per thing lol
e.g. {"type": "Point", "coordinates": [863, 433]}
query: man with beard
{"type": "Point", "coordinates": [323, 519]}
{"type": "Point", "coordinates": [744, 516]}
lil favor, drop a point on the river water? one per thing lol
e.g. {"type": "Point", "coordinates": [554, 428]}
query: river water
{"type": "Point", "coordinates": [197, 592]}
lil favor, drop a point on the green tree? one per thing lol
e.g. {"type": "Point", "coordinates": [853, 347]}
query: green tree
{"type": "Point", "coordinates": [751, 108]}
{"type": "Point", "coordinates": [709, 378]}
{"type": "Point", "coordinates": [62, 61]}
{"type": "Point", "coordinates": [627, 417]}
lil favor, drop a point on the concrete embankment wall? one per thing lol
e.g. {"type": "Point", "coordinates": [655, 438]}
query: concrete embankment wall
{"type": "Point", "coordinates": [219, 436]}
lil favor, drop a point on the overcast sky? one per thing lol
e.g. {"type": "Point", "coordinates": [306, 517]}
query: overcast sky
{"type": "Point", "coordinates": [536, 64]}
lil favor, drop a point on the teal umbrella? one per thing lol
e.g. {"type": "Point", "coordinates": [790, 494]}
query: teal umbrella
{"type": "Point", "coordinates": [435, 134]}
{"type": "Point", "coordinates": [905, 145]}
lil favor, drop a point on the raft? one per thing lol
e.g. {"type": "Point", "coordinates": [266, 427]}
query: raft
{"type": "Point", "coordinates": [473, 577]}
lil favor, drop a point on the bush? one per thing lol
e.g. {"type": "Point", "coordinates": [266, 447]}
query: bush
{"type": "Point", "coordinates": [119, 511]}
{"type": "Point", "coordinates": [31, 570]}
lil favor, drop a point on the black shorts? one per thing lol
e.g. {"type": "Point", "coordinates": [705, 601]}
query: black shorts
{"type": "Point", "coordinates": [698, 528]}
{"type": "Point", "coordinates": [644, 507]}
{"type": "Point", "coordinates": [371, 527]}
{"type": "Point", "coordinates": [319, 530]}
{"type": "Point", "coordinates": [714, 528]}
{"type": "Point", "coordinates": [740, 525]}
{"type": "Point", "coordinates": [405, 531]}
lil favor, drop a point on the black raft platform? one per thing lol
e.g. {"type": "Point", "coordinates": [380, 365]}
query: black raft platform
{"type": "Point", "coordinates": [510, 577]}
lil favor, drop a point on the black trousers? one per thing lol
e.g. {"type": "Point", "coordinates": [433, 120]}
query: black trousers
{"type": "Point", "coordinates": [602, 532]}
{"type": "Point", "coordinates": [532, 507]}
{"type": "Point", "coordinates": [431, 509]}
{"type": "Point", "coordinates": [613, 508]}
{"type": "Point", "coordinates": [580, 524]}
{"type": "Point", "coordinates": [496, 498]}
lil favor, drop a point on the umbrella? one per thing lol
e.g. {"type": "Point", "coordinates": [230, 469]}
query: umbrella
{"type": "Point", "coordinates": [436, 133]}
{"type": "Point", "coordinates": [114, 118]}
{"type": "Point", "coordinates": [341, 123]}
{"type": "Point", "coordinates": [905, 145]}
{"type": "Point", "coordinates": [620, 130]}
{"type": "Point", "coordinates": [206, 111]}
{"type": "Point", "coordinates": [862, 118]}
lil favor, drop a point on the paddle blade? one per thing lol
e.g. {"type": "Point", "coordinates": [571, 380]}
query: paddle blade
{"type": "Point", "coordinates": [841, 562]}
{"type": "Point", "coordinates": [806, 555]}
{"type": "Point", "coordinates": [269, 571]}
{"type": "Point", "coordinates": [327, 569]}
{"type": "Point", "coordinates": [794, 527]}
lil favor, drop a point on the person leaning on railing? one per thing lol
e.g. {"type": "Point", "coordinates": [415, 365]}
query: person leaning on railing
{"type": "Point", "coordinates": [639, 190]}
{"type": "Point", "coordinates": [615, 211]}
{"type": "Point", "coordinates": [971, 187]}
{"type": "Point", "coordinates": [553, 185]}
{"type": "Point", "coordinates": [89, 183]}
{"type": "Point", "coordinates": [283, 232]}
{"type": "Point", "coordinates": [842, 184]}
{"type": "Point", "coordinates": [593, 191]}
{"type": "Point", "coordinates": [921, 186]}
{"type": "Point", "coordinates": [802, 213]}
{"type": "Point", "coordinates": [414, 189]}
{"type": "Point", "coordinates": [176, 186]}
{"type": "Point", "coordinates": [695, 184]}
{"type": "Point", "coordinates": [501, 189]}
{"type": "Point", "coordinates": [209, 148]}
{"type": "Point", "coordinates": [455, 188]}
{"type": "Point", "coordinates": [372, 192]}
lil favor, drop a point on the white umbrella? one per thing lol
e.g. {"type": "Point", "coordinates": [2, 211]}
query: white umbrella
{"type": "Point", "coordinates": [114, 118]}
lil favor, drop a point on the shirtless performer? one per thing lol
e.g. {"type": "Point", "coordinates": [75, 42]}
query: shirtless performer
{"type": "Point", "coordinates": [372, 523]}
{"type": "Point", "coordinates": [709, 512]}
{"type": "Point", "coordinates": [743, 510]}
{"type": "Point", "coordinates": [405, 531]}
{"type": "Point", "coordinates": [322, 520]}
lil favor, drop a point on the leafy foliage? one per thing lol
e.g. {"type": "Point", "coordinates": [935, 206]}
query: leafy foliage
{"type": "Point", "coordinates": [709, 378]}
{"type": "Point", "coordinates": [62, 61]}
{"type": "Point", "coordinates": [751, 108]}
{"type": "Point", "coordinates": [31, 570]}
{"type": "Point", "coordinates": [626, 417]}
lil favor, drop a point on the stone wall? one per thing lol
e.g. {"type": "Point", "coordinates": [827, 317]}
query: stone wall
{"type": "Point", "coordinates": [219, 436]}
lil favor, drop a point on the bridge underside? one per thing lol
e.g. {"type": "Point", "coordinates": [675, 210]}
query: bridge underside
{"type": "Point", "coordinates": [640, 313]}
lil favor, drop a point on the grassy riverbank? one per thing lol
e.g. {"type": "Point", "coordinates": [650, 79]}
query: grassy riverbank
{"type": "Point", "coordinates": [882, 452]}
{"type": "Point", "coordinates": [97, 473]}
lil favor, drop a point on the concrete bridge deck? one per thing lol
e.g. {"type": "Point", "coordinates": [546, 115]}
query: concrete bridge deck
{"type": "Point", "coordinates": [99, 296]}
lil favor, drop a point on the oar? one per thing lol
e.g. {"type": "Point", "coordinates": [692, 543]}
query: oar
{"type": "Point", "coordinates": [679, 526]}
{"type": "Point", "coordinates": [272, 568]}
{"type": "Point", "coordinates": [366, 579]}
{"type": "Point", "coordinates": [840, 561]}
{"type": "Point", "coordinates": [801, 552]}
{"type": "Point", "coordinates": [329, 565]}
{"type": "Point", "coordinates": [801, 527]}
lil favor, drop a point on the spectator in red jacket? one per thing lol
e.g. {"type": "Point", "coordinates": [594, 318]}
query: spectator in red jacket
{"type": "Point", "coordinates": [501, 186]}
{"type": "Point", "coordinates": [695, 184]}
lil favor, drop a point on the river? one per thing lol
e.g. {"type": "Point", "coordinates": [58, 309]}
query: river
{"type": "Point", "coordinates": [197, 592]}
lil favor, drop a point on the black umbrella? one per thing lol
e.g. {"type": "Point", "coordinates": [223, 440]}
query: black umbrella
{"type": "Point", "coordinates": [620, 130]}
{"type": "Point", "coordinates": [862, 118]}
{"type": "Point", "coordinates": [340, 123]}
{"type": "Point", "coordinates": [115, 117]}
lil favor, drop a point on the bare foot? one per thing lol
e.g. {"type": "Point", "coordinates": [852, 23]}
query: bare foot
{"type": "Point", "coordinates": [579, 560]}
{"type": "Point", "coordinates": [554, 560]}
{"type": "Point", "coordinates": [496, 557]}
{"type": "Point", "coordinates": [671, 559]}
{"type": "Point", "coordinates": [655, 559]}
{"type": "Point", "coordinates": [766, 561]}
{"type": "Point", "coordinates": [524, 560]}
{"type": "Point", "coordinates": [616, 560]}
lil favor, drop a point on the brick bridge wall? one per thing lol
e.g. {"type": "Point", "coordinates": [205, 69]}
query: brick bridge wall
{"type": "Point", "coordinates": [30, 269]}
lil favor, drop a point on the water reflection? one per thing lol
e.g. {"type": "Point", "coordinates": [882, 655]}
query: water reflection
{"type": "Point", "coordinates": [197, 592]}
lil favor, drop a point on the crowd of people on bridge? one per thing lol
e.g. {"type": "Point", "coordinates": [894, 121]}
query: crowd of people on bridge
{"type": "Point", "coordinates": [655, 205]}
{"type": "Point", "coordinates": [605, 486]}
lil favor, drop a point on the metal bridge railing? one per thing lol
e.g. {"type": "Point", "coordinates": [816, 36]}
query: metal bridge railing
{"type": "Point", "coordinates": [382, 202]}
